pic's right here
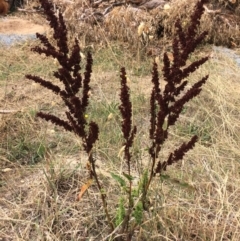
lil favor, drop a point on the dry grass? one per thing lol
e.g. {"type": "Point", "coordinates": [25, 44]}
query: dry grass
{"type": "Point", "coordinates": [122, 23]}
{"type": "Point", "coordinates": [40, 179]}
{"type": "Point", "coordinates": [222, 26]}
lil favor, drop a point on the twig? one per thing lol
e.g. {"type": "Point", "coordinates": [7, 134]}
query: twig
{"type": "Point", "coordinates": [211, 11]}
{"type": "Point", "coordinates": [8, 111]}
{"type": "Point", "coordinates": [110, 8]}
{"type": "Point", "coordinates": [29, 10]}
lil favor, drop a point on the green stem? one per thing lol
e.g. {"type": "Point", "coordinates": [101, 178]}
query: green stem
{"type": "Point", "coordinates": [103, 195]}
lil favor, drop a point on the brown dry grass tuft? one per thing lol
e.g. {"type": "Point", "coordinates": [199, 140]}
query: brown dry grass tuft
{"type": "Point", "coordinates": [122, 23]}
{"type": "Point", "coordinates": [222, 25]}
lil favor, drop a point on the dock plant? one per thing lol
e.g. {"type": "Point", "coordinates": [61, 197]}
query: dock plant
{"type": "Point", "coordinates": [168, 98]}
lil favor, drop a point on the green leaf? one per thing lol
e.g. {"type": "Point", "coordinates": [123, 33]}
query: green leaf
{"type": "Point", "coordinates": [186, 185]}
{"type": "Point", "coordinates": [120, 212]}
{"type": "Point", "coordinates": [135, 193]}
{"type": "Point", "coordinates": [165, 177]}
{"type": "Point", "coordinates": [177, 182]}
{"type": "Point", "coordinates": [129, 177]}
{"type": "Point", "coordinates": [118, 179]}
{"type": "Point", "coordinates": [138, 212]}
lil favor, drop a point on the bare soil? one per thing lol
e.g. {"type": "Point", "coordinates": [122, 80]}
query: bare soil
{"type": "Point", "coordinates": [19, 26]}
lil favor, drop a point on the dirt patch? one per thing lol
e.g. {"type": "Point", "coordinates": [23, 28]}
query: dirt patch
{"type": "Point", "coordinates": [20, 26]}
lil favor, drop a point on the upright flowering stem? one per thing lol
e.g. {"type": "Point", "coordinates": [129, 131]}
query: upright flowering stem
{"type": "Point", "coordinates": [167, 103]}
{"type": "Point", "coordinates": [69, 74]}
{"type": "Point", "coordinates": [129, 133]}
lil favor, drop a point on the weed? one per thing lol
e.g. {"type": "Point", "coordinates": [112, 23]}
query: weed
{"type": "Point", "coordinates": [166, 103]}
